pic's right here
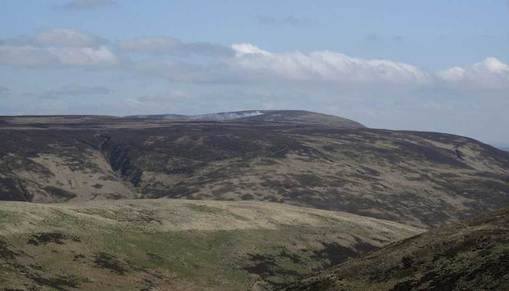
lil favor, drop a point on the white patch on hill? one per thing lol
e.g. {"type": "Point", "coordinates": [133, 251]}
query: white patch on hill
{"type": "Point", "coordinates": [226, 115]}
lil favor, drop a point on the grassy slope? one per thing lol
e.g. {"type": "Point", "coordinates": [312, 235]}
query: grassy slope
{"type": "Point", "coordinates": [469, 256]}
{"type": "Point", "coordinates": [177, 244]}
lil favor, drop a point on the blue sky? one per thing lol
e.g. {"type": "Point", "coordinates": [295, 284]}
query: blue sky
{"type": "Point", "coordinates": [425, 65]}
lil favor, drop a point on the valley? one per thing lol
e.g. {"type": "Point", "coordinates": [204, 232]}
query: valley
{"type": "Point", "coordinates": [251, 200]}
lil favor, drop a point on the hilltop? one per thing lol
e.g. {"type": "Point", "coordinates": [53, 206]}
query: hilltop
{"type": "Point", "coordinates": [268, 116]}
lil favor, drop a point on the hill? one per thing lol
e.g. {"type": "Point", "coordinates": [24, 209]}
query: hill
{"type": "Point", "coordinates": [272, 116]}
{"type": "Point", "coordinates": [292, 117]}
{"type": "Point", "coordinates": [468, 256]}
{"type": "Point", "coordinates": [177, 244]}
{"type": "Point", "coordinates": [417, 178]}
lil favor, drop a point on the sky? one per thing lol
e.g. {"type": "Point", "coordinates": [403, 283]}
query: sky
{"type": "Point", "coordinates": [435, 65]}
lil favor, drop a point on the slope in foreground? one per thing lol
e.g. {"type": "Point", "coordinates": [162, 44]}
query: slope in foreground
{"type": "Point", "coordinates": [469, 256]}
{"type": "Point", "coordinates": [177, 244]}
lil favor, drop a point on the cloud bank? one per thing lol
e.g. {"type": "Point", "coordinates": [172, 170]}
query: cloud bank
{"type": "Point", "coordinates": [56, 47]}
{"type": "Point", "coordinates": [324, 66]}
{"type": "Point", "coordinates": [176, 60]}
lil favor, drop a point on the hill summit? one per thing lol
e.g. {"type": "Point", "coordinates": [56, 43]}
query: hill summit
{"type": "Point", "coordinates": [274, 116]}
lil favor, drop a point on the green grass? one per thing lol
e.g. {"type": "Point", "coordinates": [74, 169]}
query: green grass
{"type": "Point", "coordinates": [6, 216]}
{"type": "Point", "coordinates": [204, 208]}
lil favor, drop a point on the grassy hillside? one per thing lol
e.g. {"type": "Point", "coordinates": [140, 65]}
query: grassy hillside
{"type": "Point", "coordinates": [177, 244]}
{"type": "Point", "coordinates": [412, 177]}
{"type": "Point", "coordinates": [469, 256]}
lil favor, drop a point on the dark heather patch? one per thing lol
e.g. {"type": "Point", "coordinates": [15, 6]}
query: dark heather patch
{"type": "Point", "coordinates": [431, 154]}
{"type": "Point", "coordinates": [363, 247]}
{"type": "Point", "coordinates": [308, 180]}
{"type": "Point", "coordinates": [291, 256]}
{"type": "Point", "coordinates": [266, 266]}
{"type": "Point", "coordinates": [60, 194]}
{"type": "Point", "coordinates": [50, 237]}
{"type": "Point", "coordinates": [156, 259]}
{"type": "Point", "coordinates": [5, 252]}
{"type": "Point", "coordinates": [334, 253]}
{"type": "Point", "coordinates": [149, 285]}
{"type": "Point", "coordinates": [262, 265]}
{"type": "Point", "coordinates": [60, 282]}
{"type": "Point", "coordinates": [110, 262]}
{"type": "Point", "coordinates": [247, 197]}
{"type": "Point", "coordinates": [11, 189]}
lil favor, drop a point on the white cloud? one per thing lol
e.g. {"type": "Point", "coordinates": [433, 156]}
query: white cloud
{"type": "Point", "coordinates": [57, 47]}
{"type": "Point", "coordinates": [66, 38]}
{"type": "Point", "coordinates": [87, 4]}
{"type": "Point", "coordinates": [84, 56]}
{"type": "Point", "coordinates": [242, 49]}
{"type": "Point", "coordinates": [324, 66]}
{"type": "Point", "coordinates": [453, 74]}
{"type": "Point", "coordinates": [493, 65]}
{"type": "Point", "coordinates": [488, 74]}
{"type": "Point", "coordinates": [36, 56]}
{"type": "Point", "coordinates": [180, 61]}
{"type": "Point", "coordinates": [250, 63]}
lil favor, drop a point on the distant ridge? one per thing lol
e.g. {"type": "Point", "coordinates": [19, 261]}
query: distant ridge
{"type": "Point", "coordinates": [264, 117]}
{"type": "Point", "coordinates": [274, 116]}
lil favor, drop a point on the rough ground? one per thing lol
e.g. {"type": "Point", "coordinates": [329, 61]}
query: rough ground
{"type": "Point", "coordinates": [177, 244]}
{"type": "Point", "coordinates": [470, 256]}
{"type": "Point", "coordinates": [378, 182]}
{"type": "Point", "coordinates": [291, 157]}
